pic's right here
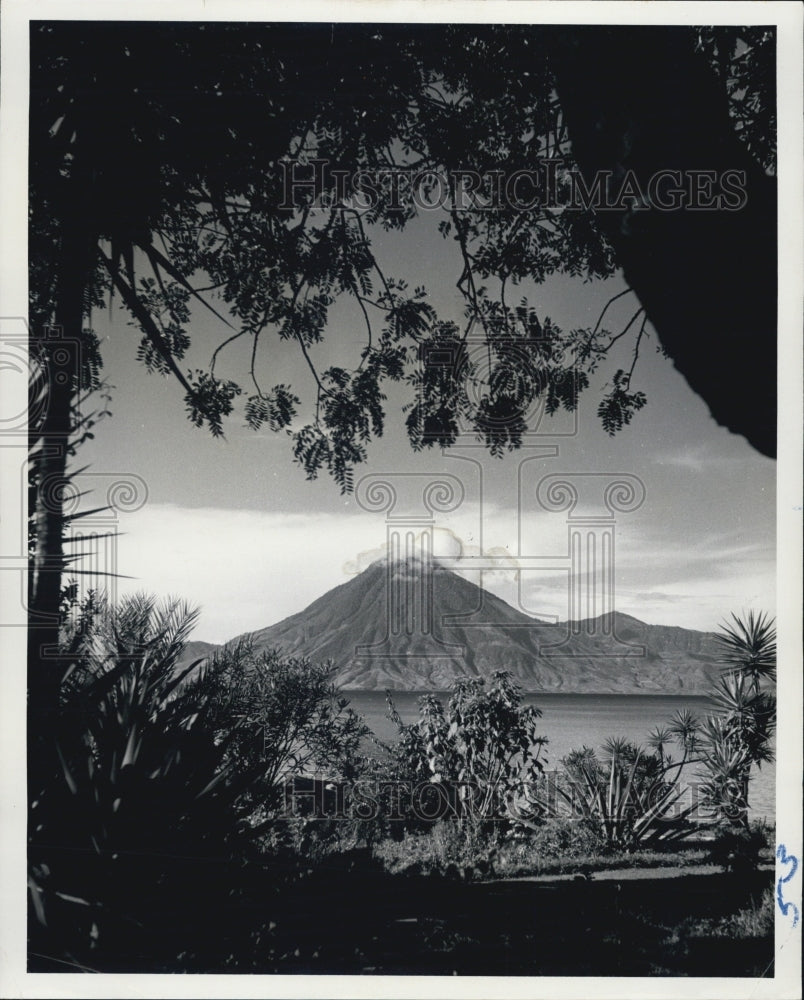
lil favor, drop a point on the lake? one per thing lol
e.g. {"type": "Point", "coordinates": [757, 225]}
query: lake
{"type": "Point", "coordinates": [570, 721]}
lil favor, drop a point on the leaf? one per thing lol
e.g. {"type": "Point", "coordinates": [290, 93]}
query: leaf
{"type": "Point", "coordinates": [156, 257]}
{"type": "Point", "coordinates": [68, 777]}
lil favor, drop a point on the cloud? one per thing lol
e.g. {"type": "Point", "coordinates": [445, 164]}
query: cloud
{"type": "Point", "coordinates": [702, 455]}
{"type": "Point", "coordinates": [696, 458]}
{"type": "Point", "coordinates": [248, 569]}
{"type": "Point", "coordinates": [658, 597]}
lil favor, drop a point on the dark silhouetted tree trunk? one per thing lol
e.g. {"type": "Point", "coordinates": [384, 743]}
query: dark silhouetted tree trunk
{"type": "Point", "coordinates": [59, 353]}
{"type": "Point", "coordinates": [644, 100]}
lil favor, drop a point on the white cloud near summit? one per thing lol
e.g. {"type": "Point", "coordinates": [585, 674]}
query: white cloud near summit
{"type": "Point", "coordinates": [248, 569]}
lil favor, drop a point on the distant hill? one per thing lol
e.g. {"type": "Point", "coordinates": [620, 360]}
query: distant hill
{"type": "Point", "coordinates": [196, 651]}
{"type": "Point", "coordinates": [472, 632]}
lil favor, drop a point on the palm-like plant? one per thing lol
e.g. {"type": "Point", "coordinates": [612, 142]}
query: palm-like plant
{"type": "Point", "coordinates": [143, 798]}
{"type": "Point", "coordinates": [658, 739]}
{"type": "Point", "coordinates": [724, 787]}
{"type": "Point", "coordinates": [619, 747]}
{"type": "Point", "coordinates": [741, 734]}
{"type": "Point", "coordinates": [685, 727]}
{"type": "Point", "coordinates": [750, 715]}
{"type": "Point", "coordinates": [748, 647]}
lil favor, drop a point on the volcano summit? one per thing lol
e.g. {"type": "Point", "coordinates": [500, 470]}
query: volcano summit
{"type": "Point", "coordinates": [409, 625]}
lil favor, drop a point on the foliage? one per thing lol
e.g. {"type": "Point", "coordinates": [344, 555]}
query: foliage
{"type": "Point", "coordinates": [127, 125]}
{"type": "Point", "coordinates": [740, 735]}
{"type": "Point", "coordinates": [738, 849]}
{"type": "Point", "coordinates": [162, 776]}
{"type": "Point", "coordinates": [628, 797]}
{"type": "Point", "coordinates": [563, 838]}
{"type": "Point", "coordinates": [567, 844]}
{"type": "Point", "coordinates": [310, 841]}
{"type": "Point", "coordinates": [617, 408]}
{"type": "Point", "coordinates": [215, 195]}
{"type": "Point", "coordinates": [484, 744]}
{"type": "Point", "coordinates": [143, 794]}
{"type": "Point", "coordinates": [748, 716]}
{"type": "Point", "coordinates": [724, 785]}
{"type": "Point", "coordinates": [290, 717]}
{"type": "Point", "coordinates": [450, 849]}
{"type": "Point", "coordinates": [748, 648]}
{"type": "Point", "coordinates": [744, 59]}
{"type": "Point", "coordinates": [685, 728]}
{"type": "Point", "coordinates": [559, 845]}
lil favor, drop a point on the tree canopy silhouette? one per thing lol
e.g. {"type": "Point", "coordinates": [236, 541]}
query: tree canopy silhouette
{"type": "Point", "coordinates": [213, 166]}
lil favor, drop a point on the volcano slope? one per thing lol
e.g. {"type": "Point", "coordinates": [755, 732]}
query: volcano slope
{"type": "Point", "coordinates": [414, 626]}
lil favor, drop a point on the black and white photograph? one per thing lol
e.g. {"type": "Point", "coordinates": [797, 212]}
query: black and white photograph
{"type": "Point", "coordinates": [401, 440]}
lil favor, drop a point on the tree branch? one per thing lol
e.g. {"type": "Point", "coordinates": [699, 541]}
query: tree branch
{"type": "Point", "coordinates": [628, 326]}
{"type": "Point", "coordinates": [636, 351]}
{"type": "Point", "coordinates": [145, 320]}
{"type": "Point", "coordinates": [613, 299]}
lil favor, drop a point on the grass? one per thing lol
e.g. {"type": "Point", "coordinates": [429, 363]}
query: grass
{"type": "Point", "coordinates": [348, 920]}
{"type": "Point", "coordinates": [742, 937]}
{"type": "Point", "coordinates": [512, 867]}
{"type": "Point", "coordinates": [560, 847]}
{"type": "Point", "coordinates": [399, 909]}
{"type": "Point", "coordinates": [753, 921]}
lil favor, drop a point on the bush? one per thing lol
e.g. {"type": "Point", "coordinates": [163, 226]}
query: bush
{"type": "Point", "coordinates": [140, 806]}
{"type": "Point", "coordinates": [738, 849]}
{"type": "Point", "coordinates": [314, 840]}
{"type": "Point", "coordinates": [558, 844]}
{"type": "Point", "coordinates": [740, 735]}
{"type": "Point", "coordinates": [450, 849]}
{"type": "Point", "coordinates": [563, 838]}
{"type": "Point", "coordinates": [628, 797]}
{"type": "Point", "coordinates": [158, 777]}
{"type": "Point", "coordinates": [290, 718]}
{"type": "Point", "coordinates": [481, 748]}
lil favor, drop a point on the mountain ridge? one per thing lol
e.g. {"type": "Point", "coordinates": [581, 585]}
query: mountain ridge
{"type": "Point", "coordinates": [380, 637]}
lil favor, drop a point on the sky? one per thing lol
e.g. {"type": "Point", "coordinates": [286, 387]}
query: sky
{"type": "Point", "coordinates": [234, 527]}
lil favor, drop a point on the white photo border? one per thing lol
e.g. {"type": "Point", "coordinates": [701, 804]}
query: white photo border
{"type": "Point", "coordinates": [788, 18]}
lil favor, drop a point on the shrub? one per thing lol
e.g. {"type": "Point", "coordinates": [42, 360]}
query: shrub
{"type": "Point", "coordinates": [289, 714]}
{"type": "Point", "coordinates": [626, 797]}
{"type": "Point", "coordinates": [740, 735]}
{"type": "Point", "coordinates": [139, 831]}
{"type": "Point", "coordinates": [483, 745]}
{"type": "Point", "coordinates": [563, 838]}
{"type": "Point", "coordinates": [141, 799]}
{"type": "Point", "coordinates": [738, 849]}
{"type": "Point", "coordinates": [450, 849]}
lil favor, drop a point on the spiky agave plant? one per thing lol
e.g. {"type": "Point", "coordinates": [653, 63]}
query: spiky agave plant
{"type": "Point", "coordinates": [624, 797]}
{"type": "Point", "coordinates": [142, 801]}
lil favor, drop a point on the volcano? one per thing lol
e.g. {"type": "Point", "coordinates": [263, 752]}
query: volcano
{"type": "Point", "coordinates": [417, 626]}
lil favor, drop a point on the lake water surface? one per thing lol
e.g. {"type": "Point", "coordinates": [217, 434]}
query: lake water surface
{"type": "Point", "coordinates": [570, 721]}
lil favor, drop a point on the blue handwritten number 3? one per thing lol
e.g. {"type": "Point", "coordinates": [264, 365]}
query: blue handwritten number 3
{"type": "Point", "coordinates": [792, 860]}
